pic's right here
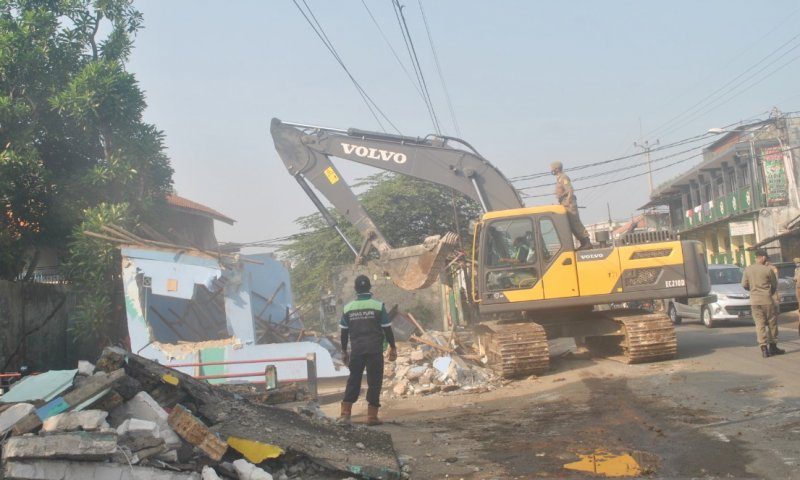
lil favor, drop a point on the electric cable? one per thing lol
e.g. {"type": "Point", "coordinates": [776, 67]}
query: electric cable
{"type": "Point", "coordinates": [753, 84]}
{"type": "Point", "coordinates": [329, 45]}
{"type": "Point", "coordinates": [612, 160]}
{"type": "Point", "coordinates": [412, 53]}
{"type": "Point", "coordinates": [680, 118]}
{"type": "Point", "coordinates": [394, 52]}
{"type": "Point", "coordinates": [620, 179]}
{"type": "Point", "coordinates": [705, 80]}
{"type": "Point", "coordinates": [620, 169]}
{"type": "Point", "coordinates": [439, 70]}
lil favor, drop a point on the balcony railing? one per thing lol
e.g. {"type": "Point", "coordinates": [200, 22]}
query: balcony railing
{"type": "Point", "coordinates": [734, 203]}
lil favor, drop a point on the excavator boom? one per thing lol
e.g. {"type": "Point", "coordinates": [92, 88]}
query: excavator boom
{"type": "Point", "coordinates": [306, 151]}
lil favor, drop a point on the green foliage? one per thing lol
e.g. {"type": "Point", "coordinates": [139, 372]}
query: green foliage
{"type": "Point", "coordinates": [93, 268]}
{"type": "Point", "coordinates": [405, 209]}
{"type": "Point", "coordinates": [74, 150]}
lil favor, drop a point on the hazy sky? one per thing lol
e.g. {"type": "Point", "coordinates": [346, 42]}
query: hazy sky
{"type": "Point", "coordinates": [530, 82]}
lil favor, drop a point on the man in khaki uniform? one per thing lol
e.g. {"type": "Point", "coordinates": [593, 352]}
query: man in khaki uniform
{"type": "Point", "coordinates": [762, 283]}
{"type": "Point", "coordinates": [566, 197]}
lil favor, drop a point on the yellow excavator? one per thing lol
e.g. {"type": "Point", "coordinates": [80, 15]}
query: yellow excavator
{"type": "Point", "coordinates": [527, 280]}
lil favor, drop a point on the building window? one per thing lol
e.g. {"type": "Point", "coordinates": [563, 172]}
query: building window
{"type": "Point", "coordinates": [720, 187]}
{"type": "Point", "coordinates": [744, 176]}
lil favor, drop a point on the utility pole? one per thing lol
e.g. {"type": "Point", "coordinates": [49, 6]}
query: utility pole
{"type": "Point", "coordinates": [646, 147]}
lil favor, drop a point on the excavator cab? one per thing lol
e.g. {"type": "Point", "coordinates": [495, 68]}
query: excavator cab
{"type": "Point", "coordinates": [524, 255]}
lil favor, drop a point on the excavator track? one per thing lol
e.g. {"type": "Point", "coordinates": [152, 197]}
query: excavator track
{"type": "Point", "coordinates": [648, 337]}
{"type": "Point", "coordinates": [516, 349]}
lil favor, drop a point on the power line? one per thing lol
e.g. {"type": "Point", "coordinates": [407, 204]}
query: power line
{"type": "Point", "coordinates": [412, 53]}
{"type": "Point", "coordinates": [394, 52]}
{"type": "Point", "coordinates": [685, 141]}
{"type": "Point", "coordinates": [736, 56]}
{"type": "Point", "coordinates": [680, 118]}
{"type": "Point", "coordinates": [748, 87]}
{"type": "Point", "coordinates": [329, 45]}
{"type": "Point", "coordinates": [439, 70]}
{"type": "Point", "coordinates": [621, 179]}
{"type": "Point", "coordinates": [621, 169]}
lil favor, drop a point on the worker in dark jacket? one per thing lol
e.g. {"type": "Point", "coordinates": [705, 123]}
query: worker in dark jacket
{"type": "Point", "coordinates": [364, 325]}
{"type": "Point", "coordinates": [761, 282]}
{"type": "Point", "coordinates": [565, 195]}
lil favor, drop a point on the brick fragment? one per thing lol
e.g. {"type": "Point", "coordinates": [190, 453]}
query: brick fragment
{"type": "Point", "coordinates": [191, 429]}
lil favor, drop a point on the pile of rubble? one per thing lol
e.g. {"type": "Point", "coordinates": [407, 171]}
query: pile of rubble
{"type": "Point", "coordinates": [130, 418]}
{"type": "Point", "coordinates": [431, 363]}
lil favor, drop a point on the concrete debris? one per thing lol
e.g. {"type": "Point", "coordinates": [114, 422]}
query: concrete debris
{"type": "Point", "coordinates": [247, 471]}
{"type": "Point", "coordinates": [134, 437]}
{"type": "Point", "coordinates": [137, 435]}
{"type": "Point", "coordinates": [143, 407]}
{"type": "Point", "coordinates": [62, 446]}
{"type": "Point", "coordinates": [87, 420]}
{"type": "Point", "coordinates": [432, 365]}
{"type": "Point", "coordinates": [209, 473]}
{"type": "Point", "coordinates": [13, 415]}
{"type": "Point", "coordinates": [85, 368]}
{"type": "Point", "coordinates": [66, 470]}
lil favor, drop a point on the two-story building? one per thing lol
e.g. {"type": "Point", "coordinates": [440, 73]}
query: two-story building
{"type": "Point", "coordinates": [742, 195]}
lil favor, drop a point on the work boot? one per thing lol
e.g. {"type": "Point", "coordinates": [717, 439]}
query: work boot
{"type": "Point", "coordinates": [372, 416]}
{"type": "Point", "coordinates": [586, 244]}
{"type": "Point", "coordinates": [764, 351]}
{"type": "Point", "coordinates": [347, 410]}
{"type": "Point", "coordinates": [774, 350]}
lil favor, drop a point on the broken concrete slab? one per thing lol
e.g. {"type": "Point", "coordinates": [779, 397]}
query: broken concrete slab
{"type": "Point", "coordinates": [85, 368]}
{"type": "Point", "coordinates": [234, 416]}
{"type": "Point", "coordinates": [86, 420]}
{"type": "Point", "coordinates": [144, 407]}
{"type": "Point", "coordinates": [191, 429]}
{"type": "Point", "coordinates": [209, 474]}
{"type": "Point", "coordinates": [13, 414]}
{"type": "Point", "coordinates": [141, 406]}
{"type": "Point", "coordinates": [62, 446]}
{"type": "Point", "coordinates": [138, 435]}
{"type": "Point", "coordinates": [91, 388]}
{"type": "Point", "coordinates": [66, 470]}
{"type": "Point", "coordinates": [247, 471]}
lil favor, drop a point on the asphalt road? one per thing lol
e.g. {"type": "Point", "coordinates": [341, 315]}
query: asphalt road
{"type": "Point", "coordinates": [717, 411]}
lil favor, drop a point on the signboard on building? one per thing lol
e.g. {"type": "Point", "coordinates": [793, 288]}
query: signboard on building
{"type": "Point", "coordinates": [776, 183]}
{"type": "Point", "coordinates": [741, 228]}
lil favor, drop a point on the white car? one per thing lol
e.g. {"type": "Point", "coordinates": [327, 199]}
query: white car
{"type": "Point", "coordinates": [733, 301]}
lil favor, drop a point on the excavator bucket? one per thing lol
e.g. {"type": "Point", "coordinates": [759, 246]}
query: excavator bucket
{"type": "Point", "coordinates": [418, 266]}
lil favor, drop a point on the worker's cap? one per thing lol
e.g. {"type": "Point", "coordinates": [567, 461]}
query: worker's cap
{"type": "Point", "coordinates": [761, 253]}
{"type": "Point", "coordinates": [362, 284]}
{"type": "Point", "coordinates": [556, 166]}
{"type": "Point", "coordinates": [796, 259]}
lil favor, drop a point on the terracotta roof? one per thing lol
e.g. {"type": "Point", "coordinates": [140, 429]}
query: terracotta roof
{"type": "Point", "coordinates": [196, 208]}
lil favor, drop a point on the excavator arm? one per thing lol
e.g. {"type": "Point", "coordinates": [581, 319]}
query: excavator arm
{"type": "Point", "coordinates": [306, 152]}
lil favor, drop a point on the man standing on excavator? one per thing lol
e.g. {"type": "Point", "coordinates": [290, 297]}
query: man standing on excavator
{"type": "Point", "coordinates": [566, 197]}
{"type": "Point", "coordinates": [365, 324]}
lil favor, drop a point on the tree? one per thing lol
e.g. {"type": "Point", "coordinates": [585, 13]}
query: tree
{"type": "Point", "coordinates": [74, 150]}
{"type": "Point", "coordinates": [405, 209]}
